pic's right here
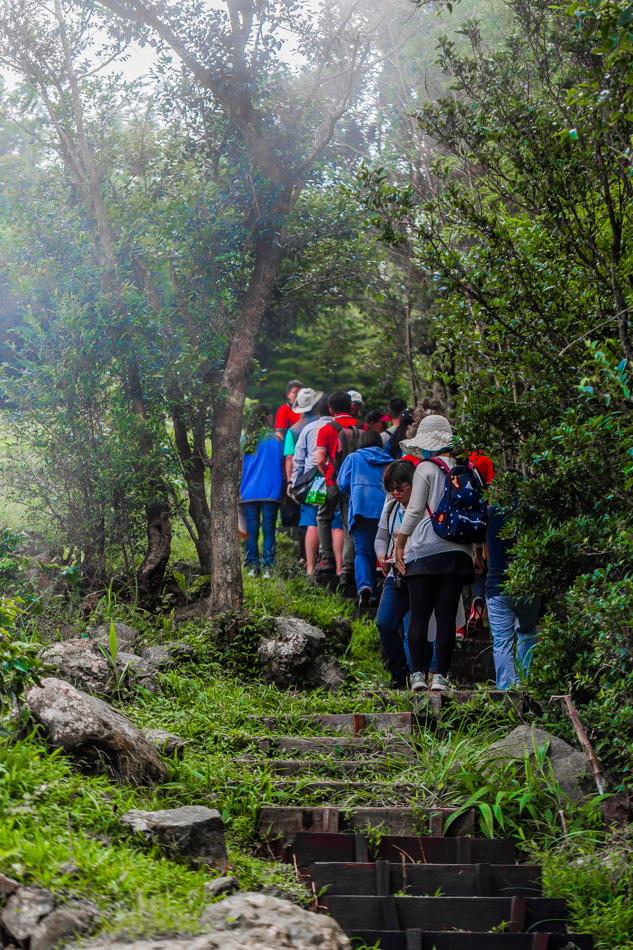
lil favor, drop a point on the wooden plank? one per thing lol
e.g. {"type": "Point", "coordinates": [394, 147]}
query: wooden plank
{"type": "Point", "coordinates": [415, 939]}
{"type": "Point", "coordinates": [476, 914]}
{"type": "Point", "coordinates": [308, 766]}
{"type": "Point", "coordinates": [306, 847]}
{"type": "Point", "coordinates": [405, 820]}
{"type": "Point", "coordinates": [327, 787]}
{"type": "Point", "coordinates": [286, 820]}
{"type": "Point", "coordinates": [388, 722]}
{"type": "Point", "coordinates": [425, 880]}
{"type": "Point", "coordinates": [394, 746]}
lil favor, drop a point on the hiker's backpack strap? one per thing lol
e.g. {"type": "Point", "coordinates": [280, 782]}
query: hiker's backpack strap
{"type": "Point", "coordinates": [441, 463]}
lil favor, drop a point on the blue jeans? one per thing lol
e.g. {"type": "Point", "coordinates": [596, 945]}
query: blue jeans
{"type": "Point", "coordinates": [393, 608]}
{"type": "Point", "coordinates": [364, 533]}
{"type": "Point", "coordinates": [267, 510]}
{"type": "Point", "coordinates": [509, 618]}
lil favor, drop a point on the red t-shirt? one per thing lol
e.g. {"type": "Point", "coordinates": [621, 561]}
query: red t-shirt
{"type": "Point", "coordinates": [286, 417]}
{"type": "Point", "coordinates": [483, 465]}
{"type": "Point", "coordinates": [327, 438]}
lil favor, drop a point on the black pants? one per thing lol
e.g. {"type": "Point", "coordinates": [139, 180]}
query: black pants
{"type": "Point", "coordinates": [428, 593]}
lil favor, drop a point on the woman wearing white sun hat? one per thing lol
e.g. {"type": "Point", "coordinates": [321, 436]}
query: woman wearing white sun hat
{"type": "Point", "coordinates": [436, 569]}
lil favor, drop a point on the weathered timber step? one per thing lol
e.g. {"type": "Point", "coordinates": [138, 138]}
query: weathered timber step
{"type": "Point", "coordinates": [282, 820]}
{"type": "Point", "coordinates": [383, 878]}
{"type": "Point", "coordinates": [352, 724]}
{"type": "Point", "coordinates": [309, 766]}
{"type": "Point", "coordinates": [415, 939]}
{"type": "Point", "coordinates": [478, 914]}
{"type": "Point", "coordinates": [305, 847]}
{"type": "Point", "coordinates": [399, 746]}
{"type": "Point", "coordinates": [324, 788]}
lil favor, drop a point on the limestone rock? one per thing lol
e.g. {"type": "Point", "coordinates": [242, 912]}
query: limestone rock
{"type": "Point", "coordinates": [94, 732]}
{"type": "Point", "coordinates": [168, 743]}
{"type": "Point", "coordinates": [7, 885]}
{"type": "Point", "coordinates": [158, 657]}
{"type": "Point", "coordinates": [326, 672]}
{"type": "Point", "coordinates": [266, 921]}
{"type": "Point", "coordinates": [570, 767]}
{"type": "Point", "coordinates": [82, 663]}
{"type": "Point", "coordinates": [283, 660]}
{"type": "Point", "coordinates": [181, 652]}
{"type": "Point", "coordinates": [138, 668]}
{"type": "Point", "coordinates": [192, 831]}
{"type": "Point", "coordinates": [24, 909]}
{"type": "Point", "coordinates": [221, 886]}
{"type": "Point", "coordinates": [73, 919]}
{"type": "Point", "coordinates": [338, 634]}
{"type": "Point", "coordinates": [125, 635]}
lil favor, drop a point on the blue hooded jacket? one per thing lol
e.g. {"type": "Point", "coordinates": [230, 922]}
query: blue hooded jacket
{"type": "Point", "coordinates": [262, 473]}
{"type": "Point", "coordinates": [360, 477]}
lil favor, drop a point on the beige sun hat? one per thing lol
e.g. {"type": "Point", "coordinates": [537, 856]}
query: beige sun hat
{"type": "Point", "coordinates": [434, 433]}
{"type": "Point", "coordinates": [306, 400]}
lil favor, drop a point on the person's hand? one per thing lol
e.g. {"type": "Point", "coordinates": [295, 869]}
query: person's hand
{"type": "Point", "coordinates": [385, 565]}
{"type": "Point", "coordinates": [289, 490]}
{"type": "Point", "coordinates": [398, 552]}
{"type": "Point", "coordinates": [480, 564]}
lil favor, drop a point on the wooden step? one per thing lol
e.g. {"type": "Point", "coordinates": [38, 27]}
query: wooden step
{"type": "Point", "coordinates": [383, 878]}
{"type": "Point", "coordinates": [283, 820]}
{"type": "Point", "coordinates": [352, 724]}
{"type": "Point", "coordinates": [305, 847]}
{"type": "Point", "coordinates": [310, 766]}
{"type": "Point", "coordinates": [415, 939]}
{"type": "Point", "coordinates": [478, 914]}
{"type": "Point", "coordinates": [325, 787]}
{"type": "Point", "coordinates": [397, 746]}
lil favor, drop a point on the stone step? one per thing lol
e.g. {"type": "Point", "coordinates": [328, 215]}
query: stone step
{"type": "Point", "coordinates": [396, 746]}
{"type": "Point", "coordinates": [308, 766]}
{"type": "Point", "coordinates": [279, 821]}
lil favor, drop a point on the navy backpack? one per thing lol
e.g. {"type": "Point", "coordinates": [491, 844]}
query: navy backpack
{"type": "Point", "coordinates": [462, 514]}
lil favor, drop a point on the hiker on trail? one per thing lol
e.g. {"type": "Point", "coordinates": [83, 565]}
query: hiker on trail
{"type": "Point", "coordinates": [399, 433]}
{"type": "Point", "coordinates": [286, 417]}
{"type": "Point", "coordinates": [360, 477]}
{"type": "Point", "coordinates": [261, 488]}
{"type": "Point", "coordinates": [376, 421]}
{"type": "Point", "coordinates": [509, 617]}
{"type": "Point", "coordinates": [395, 408]}
{"type": "Point", "coordinates": [305, 408]}
{"type": "Point", "coordinates": [304, 470]}
{"type": "Point", "coordinates": [436, 568]}
{"type": "Point", "coordinates": [335, 441]}
{"type": "Point", "coordinates": [475, 624]}
{"type": "Point", "coordinates": [358, 405]}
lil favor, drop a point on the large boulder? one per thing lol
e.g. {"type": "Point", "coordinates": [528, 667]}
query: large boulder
{"type": "Point", "coordinates": [284, 659]}
{"type": "Point", "coordinates": [94, 732]}
{"type": "Point", "coordinates": [569, 766]}
{"type": "Point", "coordinates": [192, 831]}
{"type": "Point", "coordinates": [248, 922]}
{"type": "Point", "coordinates": [24, 909]}
{"type": "Point", "coordinates": [125, 635]}
{"type": "Point", "coordinates": [30, 914]}
{"type": "Point", "coordinates": [326, 672]}
{"type": "Point", "coordinates": [82, 663]}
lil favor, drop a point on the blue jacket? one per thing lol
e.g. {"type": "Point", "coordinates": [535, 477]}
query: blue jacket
{"type": "Point", "coordinates": [262, 473]}
{"type": "Point", "coordinates": [360, 477]}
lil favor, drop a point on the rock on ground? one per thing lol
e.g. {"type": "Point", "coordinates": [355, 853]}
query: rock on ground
{"type": "Point", "coordinates": [30, 913]}
{"type": "Point", "coordinates": [94, 732]}
{"type": "Point", "coordinates": [167, 742]}
{"type": "Point", "coordinates": [221, 886]}
{"type": "Point", "coordinates": [141, 670]}
{"type": "Point", "coordinates": [24, 909]}
{"type": "Point", "coordinates": [82, 663]}
{"type": "Point", "coordinates": [325, 671]}
{"type": "Point", "coordinates": [74, 919]}
{"type": "Point", "coordinates": [338, 634]}
{"type": "Point", "coordinates": [192, 831]}
{"type": "Point", "coordinates": [250, 922]}
{"type": "Point", "coordinates": [125, 635]}
{"type": "Point", "coordinates": [165, 656]}
{"type": "Point", "coordinates": [570, 767]}
{"type": "Point", "coordinates": [283, 660]}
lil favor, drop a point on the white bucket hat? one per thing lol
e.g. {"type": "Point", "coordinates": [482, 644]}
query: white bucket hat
{"type": "Point", "coordinates": [355, 395]}
{"type": "Point", "coordinates": [434, 433]}
{"type": "Point", "coordinates": [306, 400]}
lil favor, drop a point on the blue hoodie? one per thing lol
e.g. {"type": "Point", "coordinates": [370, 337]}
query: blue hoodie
{"type": "Point", "coordinates": [262, 474]}
{"type": "Point", "coordinates": [360, 477]}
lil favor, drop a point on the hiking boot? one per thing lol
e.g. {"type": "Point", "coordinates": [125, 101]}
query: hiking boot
{"type": "Point", "coordinates": [418, 682]}
{"type": "Point", "coordinates": [364, 598]}
{"type": "Point", "coordinates": [325, 567]}
{"type": "Point", "coordinates": [440, 682]}
{"type": "Point", "coordinates": [475, 625]}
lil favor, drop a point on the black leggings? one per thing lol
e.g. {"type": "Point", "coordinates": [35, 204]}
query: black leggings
{"type": "Point", "coordinates": [428, 593]}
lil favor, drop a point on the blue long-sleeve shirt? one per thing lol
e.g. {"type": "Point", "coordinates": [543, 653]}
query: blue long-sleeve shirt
{"type": "Point", "coordinates": [360, 477]}
{"type": "Point", "coordinates": [262, 472]}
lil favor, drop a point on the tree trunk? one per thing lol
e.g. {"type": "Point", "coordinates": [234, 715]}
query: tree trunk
{"type": "Point", "coordinates": [151, 572]}
{"type": "Point", "coordinates": [226, 566]}
{"type": "Point", "coordinates": [193, 469]}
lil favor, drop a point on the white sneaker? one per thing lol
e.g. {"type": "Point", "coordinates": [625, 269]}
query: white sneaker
{"type": "Point", "coordinates": [418, 682]}
{"type": "Point", "coordinates": [267, 575]}
{"type": "Point", "coordinates": [440, 682]}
